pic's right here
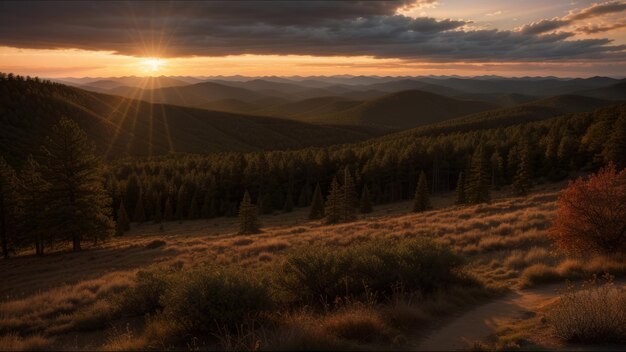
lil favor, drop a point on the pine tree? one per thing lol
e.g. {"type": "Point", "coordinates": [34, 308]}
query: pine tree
{"type": "Point", "coordinates": [317, 204]}
{"type": "Point", "coordinates": [33, 203]}
{"type": "Point", "coordinates": [477, 190]}
{"type": "Point", "coordinates": [305, 196]}
{"type": "Point", "coordinates": [615, 148]}
{"type": "Point", "coordinates": [79, 205]}
{"type": "Point", "coordinates": [460, 189]}
{"type": "Point", "coordinates": [168, 213]}
{"type": "Point", "coordinates": [522, 182]}
{"type": "Point", "coordinates": [9, 207]}
{"type": "Point", "coordinates": [421, 202]}
{"type": "Point", "coordinates": [123, 223]}
{"type": "Point", "coordinates": [497, 170]}
{"type": "Point", "coordinates": [248, 221]}
{"type": "Point", "coordinates": [158, 213]}
{"type": "Point", "coordinates": [334, 203]}
{"type": "Point", "coordinates": [350, 201]}
{"type": "Point", "coordinates": [139, 215]}
{"type": "Point", "coordinates": [365, 205]}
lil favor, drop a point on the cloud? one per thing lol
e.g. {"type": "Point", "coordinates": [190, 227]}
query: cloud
{"type": "Point", "coordinates": [595, 10]}
{"type": "Point", "coordinates": [326, 28]}
{"type": "Point", "coordinates": [592, 29]}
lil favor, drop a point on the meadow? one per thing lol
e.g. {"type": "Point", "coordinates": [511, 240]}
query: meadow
{"type": "Point", "coordinates": [81, 300]}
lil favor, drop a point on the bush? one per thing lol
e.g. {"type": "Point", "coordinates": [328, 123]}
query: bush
{"type": "Point", "coordinates": [592, 313]}
{"type": "Point", "coordinates": [145, 296]}
{"type": "Point", "coordinates": [591, 214]}
{"type": "Point", "coordinates": [379, 265]}
{"type": "Point", "coordinates": [207, 301]}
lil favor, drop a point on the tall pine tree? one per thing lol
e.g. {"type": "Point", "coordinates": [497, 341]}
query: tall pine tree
{"type": "Point", "coordinates": [522, 182]}
{"type": "Point", "coordinates": [334, 203]}
{"type": "Point", "coordinates": [168, 212]}
{"type": "Point", "coordinates": [248, 220]}
{"type": "Point", "coordinates": [615, 148]}
{"type": "Point", "coordinates": [477, 190]}
{"type": "Point", "coordinates": [9, 207]}
{"type": "Point", "coordinates": [350, 201]}
{"type": "Point", "coordinates": [317, 204]}
{"type": "Point", "coordinates": [139, 215]}
{"type": "Point", "coordinates": [421, 201]}
{"type": "Point", "coordinates": [33, 189]}
{"type": "Point", "coordinates": [158, 212]}
{"type": "Point", "coordinates": [79, 205]}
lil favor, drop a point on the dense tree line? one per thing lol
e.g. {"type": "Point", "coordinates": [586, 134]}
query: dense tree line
{"type": "Point", "coordinates": [474, 161]}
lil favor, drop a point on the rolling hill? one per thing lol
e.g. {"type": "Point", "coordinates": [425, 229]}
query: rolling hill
{"type": "Point", "coordinates": [613, 92]}
{"type": "Point", "coordinates": [404, 109]}
{"type": "Point", "coordinates": [121, 126]}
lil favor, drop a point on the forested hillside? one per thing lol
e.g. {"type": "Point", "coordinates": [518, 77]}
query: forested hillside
{"type": "Point", "coordinates": [488, 156]}
{"type": "Point", "coordinates": [121, 126]}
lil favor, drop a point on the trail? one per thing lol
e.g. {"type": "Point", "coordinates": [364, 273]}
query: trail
{"type": "Point", "coordinates": [477, 324]}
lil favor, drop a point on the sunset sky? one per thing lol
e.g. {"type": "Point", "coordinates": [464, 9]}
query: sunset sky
{"type": "Point", "coordinates": [410, 37]}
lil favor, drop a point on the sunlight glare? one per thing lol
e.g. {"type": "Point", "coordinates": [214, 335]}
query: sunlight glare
{"type": "Point", "coordinates": [152, 65]}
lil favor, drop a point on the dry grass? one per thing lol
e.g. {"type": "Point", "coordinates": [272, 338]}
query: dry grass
{"type": "Point", "coordinates": [505, 242]}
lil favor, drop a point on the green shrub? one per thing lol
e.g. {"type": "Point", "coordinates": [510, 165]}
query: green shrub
{"type": "Point", "coordinates": [313, 272]}
{"type": "Point", "coordinates": [207, 301]}
{"type": "Point", "coordinates": [145, 296]}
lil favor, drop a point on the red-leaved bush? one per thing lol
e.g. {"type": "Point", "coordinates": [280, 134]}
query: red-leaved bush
{"type": "Point", "coordinates": [591, 214]}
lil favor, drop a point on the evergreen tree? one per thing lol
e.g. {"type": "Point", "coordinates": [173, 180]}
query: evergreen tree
{"type": "Point", "coordinates": [477, 189]}
{"type": "Point", "coordinates": [365, 205]}
{"type": "Point", "coordinates": [460, 189]}
{"type": "Point", "coordinates": [193, 208]}
{"type": "Point", "coordinates": [123, 223]}
{"type": "Point", "coordinates": [334, 203]}
{"type": "Point", "coordinates": [317, 204]}
{"type": "Point", "coordinates": [421, 202]}
{"type": "Point", "coordinates": [168, 213]}
{"type": "Point", "coordinates": [522, 182]}
{"type": "Point", "coordinates": [33, 190]}
{"type": "Point", "coordinates": [350, 201]}
{"type": "Point", "coordinates": [248, 221]}
{"type": "Point", "coordinates": [497, 170]}
{"type": "Point", "coordinates": [288, 207]}
{"type": "Point", "coordinates": [79, 205]}
{"type": "Point", "coordinates": [305, 196]}
{"type": "Point", "coordinates": [9, 207]}
{"type": "Point", "coordinates": [158, 213]}
{"type": "Point", "coordinates": [139, 215]}
{"type": "Point", "coordinates": [615, 148]}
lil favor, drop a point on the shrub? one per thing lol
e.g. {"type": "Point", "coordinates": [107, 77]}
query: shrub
{"type": "Point", "coordinates": [206, 300]}
{"type": "Point", "coordinates": [591, 214]}
{"type": "Point", "coordinates": [379, 265]}
{"type": "Point", "coordinates": [145, 296]}
{"type": "Point", "coordinates": [591, 313]}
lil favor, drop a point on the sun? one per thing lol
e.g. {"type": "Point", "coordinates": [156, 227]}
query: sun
{"type": "Point", "coordinates": [152, 65]}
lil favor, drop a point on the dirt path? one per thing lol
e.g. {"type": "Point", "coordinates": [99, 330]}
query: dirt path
{"type": "Point", "coordinates": [477, 324]}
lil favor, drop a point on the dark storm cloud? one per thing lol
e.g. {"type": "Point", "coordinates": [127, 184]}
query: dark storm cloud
{"type": "Point", "coordinates": [312, 28]}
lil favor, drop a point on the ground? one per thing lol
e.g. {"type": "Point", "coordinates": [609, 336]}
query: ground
{"type": "Point", "coordinates": [58, 301]}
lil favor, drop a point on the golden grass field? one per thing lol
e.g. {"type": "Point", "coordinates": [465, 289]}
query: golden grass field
{"type": "Point", "coordinates": [61, 301]}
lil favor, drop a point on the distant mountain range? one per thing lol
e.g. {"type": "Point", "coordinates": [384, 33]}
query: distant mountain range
{"type": "Point", "coordinates": [178, 114]}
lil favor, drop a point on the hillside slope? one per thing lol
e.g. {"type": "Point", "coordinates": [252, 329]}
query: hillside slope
{"type": "Point", "coordinates": [121, 126]}
{"type": "Point", "coordinates": [405, 109]}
